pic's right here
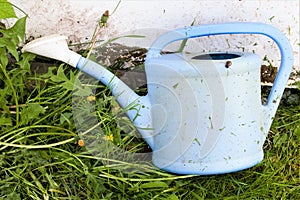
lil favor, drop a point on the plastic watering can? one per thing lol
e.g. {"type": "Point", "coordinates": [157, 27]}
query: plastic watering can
{"type": "Point", "coordinates": [203, 112]}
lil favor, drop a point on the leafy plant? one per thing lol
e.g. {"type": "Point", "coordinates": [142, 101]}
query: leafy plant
{"type": "Point", "coordinates": [14, 68]}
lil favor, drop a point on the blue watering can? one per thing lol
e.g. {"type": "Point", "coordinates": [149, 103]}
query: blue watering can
{"type": "Point", "coordinates": [203, 112]}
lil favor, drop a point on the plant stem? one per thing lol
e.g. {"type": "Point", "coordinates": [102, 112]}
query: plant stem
{"type": "Point", "coordinates": [14, 94]}
{"type": "Point", "coordinates": [94, 41]}
{"type": "Point", "coordinates": [19, 9]}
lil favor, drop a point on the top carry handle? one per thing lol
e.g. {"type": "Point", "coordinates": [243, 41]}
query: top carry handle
{"type": "Point", "coordinates": [285, 48]}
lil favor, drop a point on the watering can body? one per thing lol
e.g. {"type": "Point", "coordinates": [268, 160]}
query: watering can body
{"type": "Point", "coordinates": [207, 118]}
{"type": "Point", "coordinates": [203, 112]}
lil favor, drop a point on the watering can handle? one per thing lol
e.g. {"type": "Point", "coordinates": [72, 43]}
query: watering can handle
{"type": "Point", "coordinates": [269, 109]}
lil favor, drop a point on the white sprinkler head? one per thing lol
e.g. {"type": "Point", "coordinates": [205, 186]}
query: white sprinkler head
{"type": "Point", "coordinates": [53, 46]}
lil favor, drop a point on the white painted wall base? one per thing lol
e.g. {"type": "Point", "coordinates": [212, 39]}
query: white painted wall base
{"type": "Point", "coordinates": [78, 18]}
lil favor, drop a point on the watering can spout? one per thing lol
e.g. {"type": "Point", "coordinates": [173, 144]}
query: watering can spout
{"type": "Point", "coordinates": [55, 47]}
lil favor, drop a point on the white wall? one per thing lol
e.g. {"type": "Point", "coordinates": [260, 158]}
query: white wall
{"type": "Point", "coordinates": [77, 19]}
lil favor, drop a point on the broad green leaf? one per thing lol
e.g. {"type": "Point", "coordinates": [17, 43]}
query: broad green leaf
{"type": "Point", "coordinates": [69, 84]}
{"type": "Point", "coordinates": [80, 90]}
{"type": "Point", "coordinates": [3, 57]}
{"type": "Point", "coordinates": [60, 76]}
{"type": "Point", "coordinates": [5, 121]}
{"type": "Point", "coordinates": [49, 73]}
{"type": "Point", "coordinates": [155, 184]}
{"type": "Point", "coordinates": [65, 117]}
{"type": "Point", "coordinates": [24, 63]}
{"type": "Point", "coordinates": [10, 46]}
{"type": "Point", "coordinates": [83, 91]}
{"type": "Point", "coordinates": [32, 111]}
{"type": "Point", "coordinates": [19, 28]}
{"type": "Point", "coordinates": [173, 197]}
{"type": "Point", "coordinates": [6, 10]}
{"type": "Point", "coordinates": [17, 31]}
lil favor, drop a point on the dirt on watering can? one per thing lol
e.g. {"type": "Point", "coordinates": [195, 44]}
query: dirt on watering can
{"type": "Point", "coordinates": [268, 73]}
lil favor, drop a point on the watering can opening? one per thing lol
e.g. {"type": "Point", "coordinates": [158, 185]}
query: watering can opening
{"type": "Point", "coordinates": [216, 56]}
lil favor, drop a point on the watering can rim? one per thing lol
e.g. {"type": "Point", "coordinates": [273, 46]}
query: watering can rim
{"type": "Point", "coordinates": [43, 40]}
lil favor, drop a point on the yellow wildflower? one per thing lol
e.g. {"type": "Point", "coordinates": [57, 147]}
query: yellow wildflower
{"type": "Point", "coordinates": [109, 137]}
{"type": "Point", "coordinates": [91, 98]}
